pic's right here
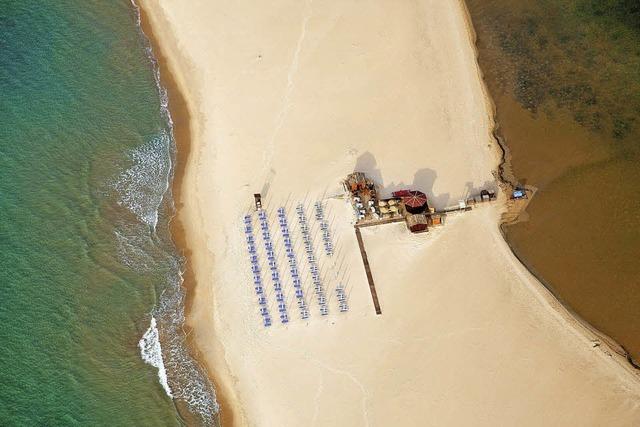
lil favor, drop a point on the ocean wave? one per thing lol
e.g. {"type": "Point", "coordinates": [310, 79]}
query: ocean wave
{"type": "Point", "coordinates": [164, 97]}
{"type": "Point", "coordinates": [151, 352]}
{"type": "Point", "coordinates": [189, 382]}
{"type": "Point", "coordinates": [187, 379]}
{"type": "Point", "coordinates": [132, 243]}
{"type": "Point", "coordinates": [142, 186]}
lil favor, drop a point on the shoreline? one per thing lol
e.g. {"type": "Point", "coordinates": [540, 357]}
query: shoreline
{"type": "Point", "coordinates": [181, 117]}
{"type": "Point", "coordinates": [179, 108]}
{"type": "Point", "coordinates": [513, 214]}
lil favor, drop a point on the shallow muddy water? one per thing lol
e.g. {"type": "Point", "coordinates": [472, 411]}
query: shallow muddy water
{"type": "Point", "coordinates": [565, 78]}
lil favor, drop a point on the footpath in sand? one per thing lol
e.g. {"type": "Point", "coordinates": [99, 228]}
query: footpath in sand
{"type": "Point", "coordinates": [288, 97]}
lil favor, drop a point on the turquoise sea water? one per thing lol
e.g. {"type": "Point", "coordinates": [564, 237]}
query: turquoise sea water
{"type": "Point", "coordinates": [87, 266]}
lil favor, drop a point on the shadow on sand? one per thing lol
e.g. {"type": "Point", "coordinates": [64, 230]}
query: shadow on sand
{"type": "Point", "coordinates": [423, 180]}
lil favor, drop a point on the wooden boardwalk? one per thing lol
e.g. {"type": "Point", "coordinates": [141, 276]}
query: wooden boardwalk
{"type": "Point", "coordinates": [371, 223]}
{"type": "Point", "coordinates": [367, 269]}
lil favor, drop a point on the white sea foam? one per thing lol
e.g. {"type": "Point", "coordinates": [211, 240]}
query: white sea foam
{"type": "Point", "coordinates": [151, 353]}
{"type": "Point", "coordinates": [188, 380]}
{"type": "Point", "coordinates": [132, 243]}
{"type": "Point", "coordinates": [141, 187]}
{"type": "Point", "coordinates": [191, 383]}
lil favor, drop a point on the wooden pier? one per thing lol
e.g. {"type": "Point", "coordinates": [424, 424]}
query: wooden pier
{"type": "Point", "coordinates": [372, 222]}
{"type": "Point", "coordinates": [409, 206]}
{"type": "Point", "coordinates": [367, 269]}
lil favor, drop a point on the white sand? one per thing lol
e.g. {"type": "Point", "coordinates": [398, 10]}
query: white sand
{"type": "Point", "coordinates": [287, 99]}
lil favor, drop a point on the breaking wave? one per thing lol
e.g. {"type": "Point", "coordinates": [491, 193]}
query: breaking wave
{"type": "Point", "coordinates": [190, 383]}
{"type": "Point", "coordinates": [151, 353]}
{"type": "Point", "coordinates": [143, 185]}
{"type": "Point", "coordinates": [144, 189]}
{"type": "Point", "coordinates": [145, 248]}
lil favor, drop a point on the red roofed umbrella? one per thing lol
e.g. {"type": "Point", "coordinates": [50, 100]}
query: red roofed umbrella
{"type": "Point", "coordinates": [401, 193]}
{"type": "Point", "coordinates": [415, 202]}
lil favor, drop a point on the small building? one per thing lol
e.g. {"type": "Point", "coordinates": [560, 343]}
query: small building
{"type": "Point", "coordinates": [487, 196]}
{"type": "Point", "coordinates": [435, 219]}
{"type": "Point", "coordinates": [417, 223]}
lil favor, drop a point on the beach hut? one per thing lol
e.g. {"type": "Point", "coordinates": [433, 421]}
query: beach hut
{"type": "Point", "coordinates": [435, 219]}
{"type": "Point", "coordinates": [417, 223]}
{"type": "Point", "coordinates": [486, 195]}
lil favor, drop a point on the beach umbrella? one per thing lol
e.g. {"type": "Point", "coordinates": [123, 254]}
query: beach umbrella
{"type": "Point", "coordinates": [415, 199]}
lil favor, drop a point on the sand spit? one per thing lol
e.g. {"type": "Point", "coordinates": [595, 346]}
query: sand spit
{"type": "Point", "coordinates": [286, 99]}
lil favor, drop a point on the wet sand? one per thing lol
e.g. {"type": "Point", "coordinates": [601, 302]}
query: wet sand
{"type": "Point", "coordinates": [180, 116]}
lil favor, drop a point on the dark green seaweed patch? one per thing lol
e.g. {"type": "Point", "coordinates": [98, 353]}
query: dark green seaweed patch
{"type": "Point", "coordinates": [612, 12]}
{"type": "Point", "coordinates": [582, 56]}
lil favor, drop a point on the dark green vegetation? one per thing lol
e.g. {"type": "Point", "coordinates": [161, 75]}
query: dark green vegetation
{"type": "Point", "coordinates": [583, 56]}
{"type": "Point", "coordinates": [611, 13]}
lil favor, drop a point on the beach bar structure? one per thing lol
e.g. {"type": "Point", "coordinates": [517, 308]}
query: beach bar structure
{"type": "Point", "coordinates": [409, 206]}
{"type": "Point", "coordinates": [406, 205]}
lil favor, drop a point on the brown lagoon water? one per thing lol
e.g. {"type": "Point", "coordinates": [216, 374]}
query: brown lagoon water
{"type": "Point", "coordinates": [565, 78]}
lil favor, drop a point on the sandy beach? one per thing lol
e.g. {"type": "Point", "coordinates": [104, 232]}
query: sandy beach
{"type": "Point", "coordinates": [286, 99]}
